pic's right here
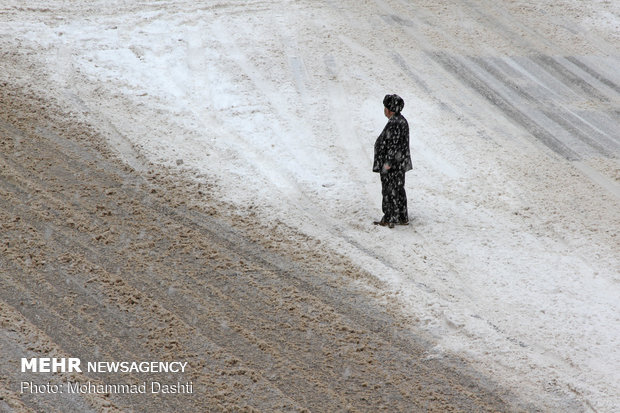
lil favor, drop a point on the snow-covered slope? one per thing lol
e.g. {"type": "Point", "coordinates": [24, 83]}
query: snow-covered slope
{"type": "Point", "coordinates": [512, 258]}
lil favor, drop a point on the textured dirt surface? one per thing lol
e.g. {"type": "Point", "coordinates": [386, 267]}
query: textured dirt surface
{"type": "Point", "coordinates": [101, 262]}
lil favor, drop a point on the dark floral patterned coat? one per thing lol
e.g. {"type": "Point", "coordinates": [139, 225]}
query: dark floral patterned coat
{"type": "Point", "coordinates": [392, 146]}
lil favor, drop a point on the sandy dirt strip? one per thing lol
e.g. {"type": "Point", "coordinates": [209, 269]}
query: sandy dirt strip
{"type": "Point", "coordinates": [101, 262]}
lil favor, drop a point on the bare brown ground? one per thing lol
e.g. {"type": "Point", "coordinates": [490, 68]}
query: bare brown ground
{"type": "Point", "coordinates": [104, 263]}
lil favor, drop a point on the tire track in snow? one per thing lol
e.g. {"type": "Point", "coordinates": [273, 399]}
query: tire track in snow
{"type": "Point", "coordinates": [555, 129]}
{"type": "Point", "coordinates": [521, 79]}
{"type": "Point", "coordinates": [577, 84]}
{"type": "Point", "coordinates": [558, 129]}
{"type": "Point", "coordinates": [594, 73]}
{"type": "Point", "coordinates": [563, 116]}
{"type": "Point", "coordinates": [472, 80]}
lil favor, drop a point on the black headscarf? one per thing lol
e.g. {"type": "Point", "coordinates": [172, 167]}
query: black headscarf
{"type": "Point", "coordinates": [394, 103]}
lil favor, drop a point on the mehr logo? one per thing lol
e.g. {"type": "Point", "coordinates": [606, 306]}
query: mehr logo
{"type": "Point", "coordinates": [51, 365]}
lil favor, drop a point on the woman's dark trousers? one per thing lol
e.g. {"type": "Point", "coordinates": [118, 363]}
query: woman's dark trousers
{"type": "Point", "coordinates": [394, 203]}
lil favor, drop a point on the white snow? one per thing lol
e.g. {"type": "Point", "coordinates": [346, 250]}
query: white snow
{"type": "Point", "coordinates": [512, 259]}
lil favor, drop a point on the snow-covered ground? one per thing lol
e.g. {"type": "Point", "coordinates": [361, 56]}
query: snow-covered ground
{"type": "Point", "coordinates": [512, 259]}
